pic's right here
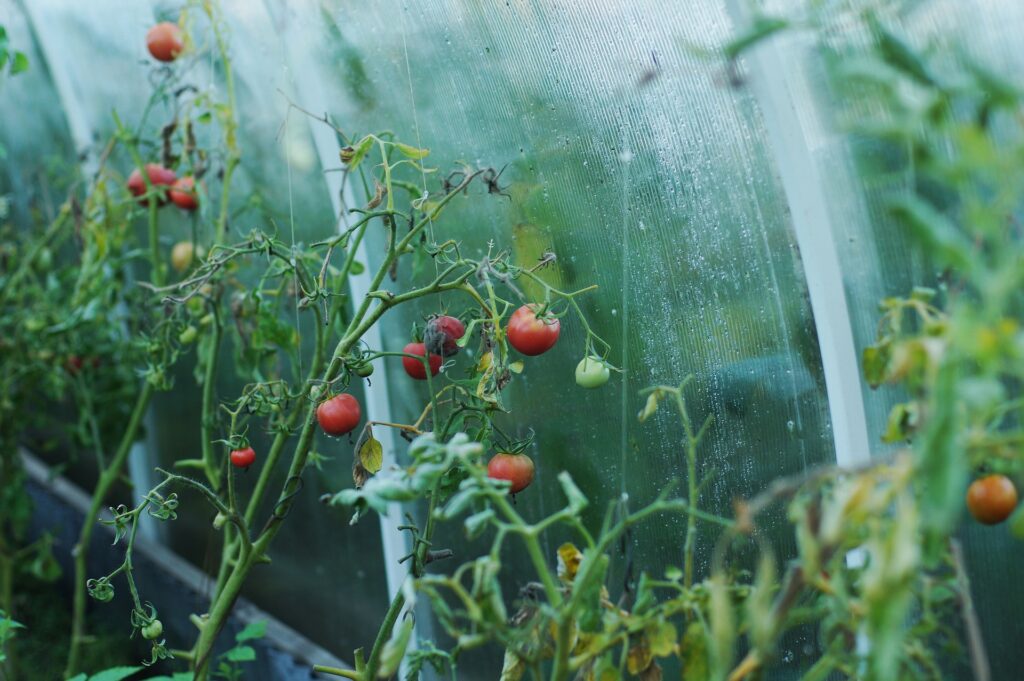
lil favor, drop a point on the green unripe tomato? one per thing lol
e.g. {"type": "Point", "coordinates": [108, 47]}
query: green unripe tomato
{"type": "Point", "coordinates": [153, 630]}
{"type": "Point", "coordinates": [188, 336]}
{"type": "Point", "coordinates": [592, 372]}
{"type": "Point", "coordinates": [363, 370]}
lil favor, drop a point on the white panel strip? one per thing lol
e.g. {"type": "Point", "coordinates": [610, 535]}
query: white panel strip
{"type": "Point", "coordinates": [378, 406]}
{"type": "Point", "coordinates": [815, 237]}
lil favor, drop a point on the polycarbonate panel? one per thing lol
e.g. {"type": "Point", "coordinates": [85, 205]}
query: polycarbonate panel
{"type": "Point", "coordinates": [654, 184]}
{"type": "Point", "coordinates": [278, 186]}
{"type": "Point", "coordinates": [879, 258]}
{"type": "Point", "coordinates": [36, 152]}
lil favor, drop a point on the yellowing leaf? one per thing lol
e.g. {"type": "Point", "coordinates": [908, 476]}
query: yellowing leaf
{"type": "Point", "coordinates": [569, 559]}
{"type": "Point", "coordinates": [650, 407]}
{"type": "Point", "coordinates": [662, 637]}
{"type": "Point", "coordinates": [513, 667]}
{"type": "Point", "coordinates": [639, 657]}
{"type": "Point", "coordinates": [516, 367]}
{"type": "Point", "coordinates": [371, 454]}
{"type": "Point", "coordinates": [485, 362]}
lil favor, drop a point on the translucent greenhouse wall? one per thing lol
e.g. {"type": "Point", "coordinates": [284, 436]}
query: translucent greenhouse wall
{"type": "Point", "coordinates": [690, 202]}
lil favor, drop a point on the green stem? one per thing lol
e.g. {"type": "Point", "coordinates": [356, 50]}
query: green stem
{"type": "Point", "coordinates": [208, 418]}
{"type": "Point", "coordinates": [106, 480]}
{"type": "Point", "coordinates": [383, 634]}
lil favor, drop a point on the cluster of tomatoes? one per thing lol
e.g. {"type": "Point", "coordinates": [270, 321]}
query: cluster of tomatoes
{"type": "Point", "coordinates": [165, 43]}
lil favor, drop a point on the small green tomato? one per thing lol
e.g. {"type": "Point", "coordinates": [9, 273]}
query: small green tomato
{"type": "Point", "coordinates": [365, 369]}
{"type": "Point", "coordinates": [188, 335]}
{"type": "Point", "coordinates": [592, 372]}
{"type": "Point", "coordinates": [153, 630]}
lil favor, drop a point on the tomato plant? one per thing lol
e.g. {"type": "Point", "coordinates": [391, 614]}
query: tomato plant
{"type": "Point", "coordinates": [164, 41]}
{"type": "Point", "coordinates": [530, 334]}
{"type": "Point", "coordinates": [339, 414]}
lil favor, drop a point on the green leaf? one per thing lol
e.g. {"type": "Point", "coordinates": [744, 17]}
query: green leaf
{"type": "Point", "coordinates": [360, 150]}
{"type": "Point", "coordinates": [902, 421]}
{"type": "Point", "coordinates": [394, 649]}
{"type": "Point", "coordinates": [760, 29]}
{"type": "Point", "coordinates": [240, 654]}
{"type": "Point", "coordinates": [20, 63]}
{"type": "Point", "coordinates": [695, 654]}
{"type": "Point", "coordinates": [251, 631]}
{"type": "Point", "coordinates": [371, 453]}
{"type": "Point", "coordinates": [941, 236]}
{"type": "Point", "coordinates": [900, 56]}
{"type": "Point", "coordinates": [115, 674]}
{"type": "Point", "coordinates": [876, 363]}
{"type": "Point", "coordinates": [412, 152]}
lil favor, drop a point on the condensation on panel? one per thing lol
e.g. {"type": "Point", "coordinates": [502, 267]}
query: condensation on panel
{"type": "Point", "coordinates": [34, 138]}
{"type": "Point", "coordinates": [878, 257]}
{"type": "Point", "coordinates": [647, 175]}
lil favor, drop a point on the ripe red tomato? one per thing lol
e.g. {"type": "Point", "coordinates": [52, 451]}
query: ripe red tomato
{"type": "Point", "coordinates": [532, 336]}
{"type": "Point", "coordinates": [991, 499]}
{"type": "Point", "coordinates": [516, 468]}
{"type": "Point", "coordinates": [442, 335]}
{"type": "Point", "coordinates": [243, 458]}
{"type": "Point", "coordinates": [164, 41]}
{"type": "Point", "coordinates": [183, 194]}
{"type": "Point", "coordinates": [414, 367]}
{"type": "Point", "coordinates": [158, 176]}
{"type": "Point", "coordinates": [339, 415]}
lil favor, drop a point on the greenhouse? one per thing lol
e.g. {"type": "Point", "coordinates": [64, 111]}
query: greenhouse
{"type": "Point", "coordinates": [448, 339]}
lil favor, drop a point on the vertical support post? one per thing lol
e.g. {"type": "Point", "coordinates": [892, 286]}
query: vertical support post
{"type": "Point", "coordinates": [804, 189]}
{"type": "Point", "coordinates": [378, 405]}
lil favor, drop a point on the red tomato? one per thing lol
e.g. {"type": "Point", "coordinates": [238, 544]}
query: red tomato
{"type": "Point", "coordinates": [414, 367]}
{"type": "Point", "coordinates": [158, 176]}
{"type": "Point", "coordinates": [243, 458]}
{"type": "Point", "coordinates": [532, 336]}
{"type": "Point", "coordinates": [991, 499]}
{"type": "Point", "coordinates": [339, 415]}
{"type": "Point", "coordinates": [183, 194]}
{"type": "Point", "coordinates": [164, 41]}
{"type": "Point", "coordinates": [515, 468]}
{"type": "Point", "coordinates": [442, 333]}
